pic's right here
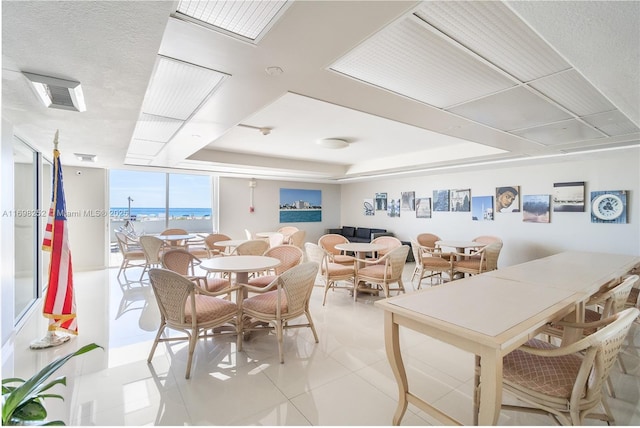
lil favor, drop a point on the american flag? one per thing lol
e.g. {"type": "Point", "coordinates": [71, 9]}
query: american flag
{"type": "Point", "coordinates": [59, 303]}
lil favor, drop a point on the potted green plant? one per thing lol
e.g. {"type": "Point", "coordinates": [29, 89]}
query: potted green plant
{"type": "Point", "coordinates": [22, 400]}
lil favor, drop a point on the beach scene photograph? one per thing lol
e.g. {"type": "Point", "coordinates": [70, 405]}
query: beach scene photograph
{"type": "Point", "coordinates": [300, 205]}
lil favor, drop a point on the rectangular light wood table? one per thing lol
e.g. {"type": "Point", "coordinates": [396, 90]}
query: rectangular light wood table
{"type": "Point", "coordinates": [492, 314]}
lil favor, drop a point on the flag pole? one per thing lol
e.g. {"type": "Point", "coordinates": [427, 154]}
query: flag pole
{"type": "Point", "coordinates": [51, 338]}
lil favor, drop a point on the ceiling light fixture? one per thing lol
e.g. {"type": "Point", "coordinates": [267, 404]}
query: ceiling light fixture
{"type": "Point", "coordinates": [264, 130]}
{"type": "Point", "coordinates": [57, 93]}
{"type": "Point", "coordinates": [274, 71]}
{"type": "Point", "coordinates": [332, 143]}
{"type": "Point", "coordinates": [84, 157]}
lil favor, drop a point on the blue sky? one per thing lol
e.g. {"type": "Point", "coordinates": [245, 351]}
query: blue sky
{"type": "Point", "coordinates": [148, 189]}
{"type": "Point", "coordinates": [288, 196]}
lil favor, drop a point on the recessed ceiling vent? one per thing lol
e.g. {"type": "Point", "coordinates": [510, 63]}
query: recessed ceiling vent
{"type": "Point", "coordinates": [57, 93]}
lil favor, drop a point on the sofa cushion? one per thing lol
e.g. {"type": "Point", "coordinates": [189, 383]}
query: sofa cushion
{"type": "Point", "coordinates": [363, 232]}
{"type": "Point", "coordinates": [348, 231]}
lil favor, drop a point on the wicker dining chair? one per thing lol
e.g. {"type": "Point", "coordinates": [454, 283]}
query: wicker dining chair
{"type": "Point", "coordinates": [287, 231]}
{"type": "Point", "coordinates": [384, 271]}
{"type": "Point", "coordinates": [333, 274]}
{"type": "Point", "coordinates": [289, 257]}
{"type": "Point", "coordinates": [151, 247]}
{"type": "Point", "coordinates": [184, 262]}
{"type": "Point", "coordinates": [567, 382]}
{"type": "Point", "coordinates": [131, 252]}
{"type": "Point", "coordinates": [389, 242]}
{"type": "Point", "coordinates": [255, 247]}
{"type": "Point", "coordinates": [328, 243]}
{"type": "Point", "coordinates": [175, 244]}
{"type": "Point", "coordinates": [275, 239]}
{"type": "Point", "coordinates": [282, 301]}
{"type": "Point", "coordinates": [429, 263]}
{"type": "Point", "coordinates": [210, 241]}
{"type": "Point", "coordinates": [193, 311]}
{"type": "Point", "coordinates": [484, 260]}
{"type": "Point", "coordinates": [297, 238]}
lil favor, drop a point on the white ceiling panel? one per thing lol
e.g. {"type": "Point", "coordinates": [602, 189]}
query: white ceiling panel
{"type": "Point", "coordinates": [493, 31]}
{"type": "Point", "coordinates": [512, 109]}
{"type": "Point", "coordinates": [566, 131]}
{"type": "Point", "coordinates": [573, 92]}
{"type": "Point", "coordinates": [410, 59]}
{"type": "Point", "coordinates": [177, 89]}
{"type": "Point", "coordinates": [612, 123]}
{"type": "Point", "coordinates": [245, 18]}
{"type": "Point", "coordinates": [144, 147]}
{"type": "Point", "coordinates": [156, 128]}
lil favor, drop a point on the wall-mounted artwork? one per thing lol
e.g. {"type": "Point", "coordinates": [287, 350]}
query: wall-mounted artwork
{"type": "Point", "coordinates": [423, 207]}
{"type": "Point", "coordinates": [368, 207]}
{"type": "Point", "coordinates": [460, 200]}
{"type": "Point", "coordinates": [535, 208]}
{"type": "Point", "coordinates": [482, 208]}
{"type": "Point", "coordinates": [381, 201]}
{"type": "Point", "coordinates": [508, 199]}
{"type": "Point", "coordinates": [408, 201]}
{"type": "Point", "coordinates": [393, 208]}
{"type": "Point", "coordinates": [441, 200]}
{"type": "Point", "coordinates": [300, 205]}
{"type": "Point", "coordinates": [609, 206]}
{"type": "Point", "coordinates": [568, 197]}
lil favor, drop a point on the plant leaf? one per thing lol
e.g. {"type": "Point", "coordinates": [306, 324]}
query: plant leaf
{"type": "Point", "coordinates": [31, 411]}
{"type": "Point", "coordinates": [30, 388]}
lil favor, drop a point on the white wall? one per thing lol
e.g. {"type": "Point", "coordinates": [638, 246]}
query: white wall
{"type": "Point", "coordinates": [234, 207]}
{"type": "Point", "coordinates": [616, 170]}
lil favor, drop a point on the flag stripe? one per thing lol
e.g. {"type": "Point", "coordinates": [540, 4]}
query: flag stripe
{"type": "Point", "coordinates": [59, 304]}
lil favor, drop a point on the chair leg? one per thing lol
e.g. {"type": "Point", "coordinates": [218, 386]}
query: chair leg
{"type": "Point", "coordinates": [280, 337]}
{"type": "Point", "coordinates": [326, 289]}
{"type": "Point", "coordinates": [313, 328]}
{"type": "Point", "coordinates": [155, 342]}
{"type": "Point", "coordinates": [193, 338]}
{"type": "Point", "coordinates": [610, 389]}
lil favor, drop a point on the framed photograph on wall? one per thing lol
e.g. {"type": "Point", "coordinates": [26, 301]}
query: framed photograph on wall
{"type": "Point", "coordinates": [508, 199]}
{"type": "Point", "coordinates": [368, 207]}
{"type": "Point", "coordinates": [535, 208]}
{"type": "Point", "coordinates": [381, 201]}
{"type": "Point", "coordinates": [460, 200]}
{"type": "Point", "coordinates": [482, 208]}
{"type": "Point", "coordinates": [441, 200]}
{"type": "Point", "coordinates": [408, 201]}
{"type": "Point", "coordinates": [393, 208]}
{"type": "Point", "coordinates": [568, 197]}
{"type": "Point", "coordinates": [609, 206]}
{"type": "Point", "coordinates": [300, 205]}
{"type": "Point", "coordinates": [423, 207]}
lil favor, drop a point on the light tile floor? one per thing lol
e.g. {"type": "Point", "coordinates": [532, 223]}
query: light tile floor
{"type": "Point", "coordinates": [345, 379]}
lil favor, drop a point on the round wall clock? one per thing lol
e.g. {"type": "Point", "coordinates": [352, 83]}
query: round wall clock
{"type": "Point", "coordinates": [607, 206]}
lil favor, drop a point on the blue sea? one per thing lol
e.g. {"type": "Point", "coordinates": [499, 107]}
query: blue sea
{"type": "Point", "coordinates": [118, 212]}
{"type": "Point", "coordinates": [300, 216]}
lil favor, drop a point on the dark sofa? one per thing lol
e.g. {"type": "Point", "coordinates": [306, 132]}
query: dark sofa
{"type": "Point", "coordinates": [359, 234]}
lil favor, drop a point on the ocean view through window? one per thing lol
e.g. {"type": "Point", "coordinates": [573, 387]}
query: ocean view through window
{"type": "Point", "coordinates": [150, 202]}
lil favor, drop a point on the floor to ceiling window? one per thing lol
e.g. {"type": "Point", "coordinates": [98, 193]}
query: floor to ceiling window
{"type": "Point", "coordinates": [149, 202]}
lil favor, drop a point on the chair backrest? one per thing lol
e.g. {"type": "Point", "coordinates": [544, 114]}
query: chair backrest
{"type": "Point", "coordinates": [174, 232]}
{"type": "Point", "coordinates": [395, 260]}
{"type": "Point", "coordinates": [123, 242]}
{"type": "Point", "coordinates": [171, 290]}
{"type": "Point", "coordinates": [329, 241]}
{"type": "Point", "coordinates": [297, 284]}
{"type": "Point", "coordinates": [255, 247]}
{"type": "Point", "coordinates": [297, 238]}
{"type": "Point", "coordinates": [212, 238]}
{"type": "Point", "coordinates": [390, 242]}
{"type": "Point", "coordinates": [151, 248]}
{"type": "Point", "coordinates": [248, 234]}
{"type": "Point", "coordinates": [287, 230]}
{"type": "Point", "coordinates": [276, 239]}
{"type": "Point", "coordinates": [486, 239]}
{"type": "Point", "coordinates": [427, 239]}
{"type": "Point", "coordinates": [616, 298]}
{"type": "Point", "coordinates": [288, 255]}
{"type": "Point", "coordinates": [317, 255]}
{"type": "Point", "coordinates": [491, 254]}
{"type": "Point", "coordinates": [602, 352]}
{"type": "Point", "coordinates": [179, 261]}
{"type": "Point", "coordinates": [415, 248]}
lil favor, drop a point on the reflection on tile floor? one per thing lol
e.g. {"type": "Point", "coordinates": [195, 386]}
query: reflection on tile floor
{"type": "Point", "coordinates": [343, 380]}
